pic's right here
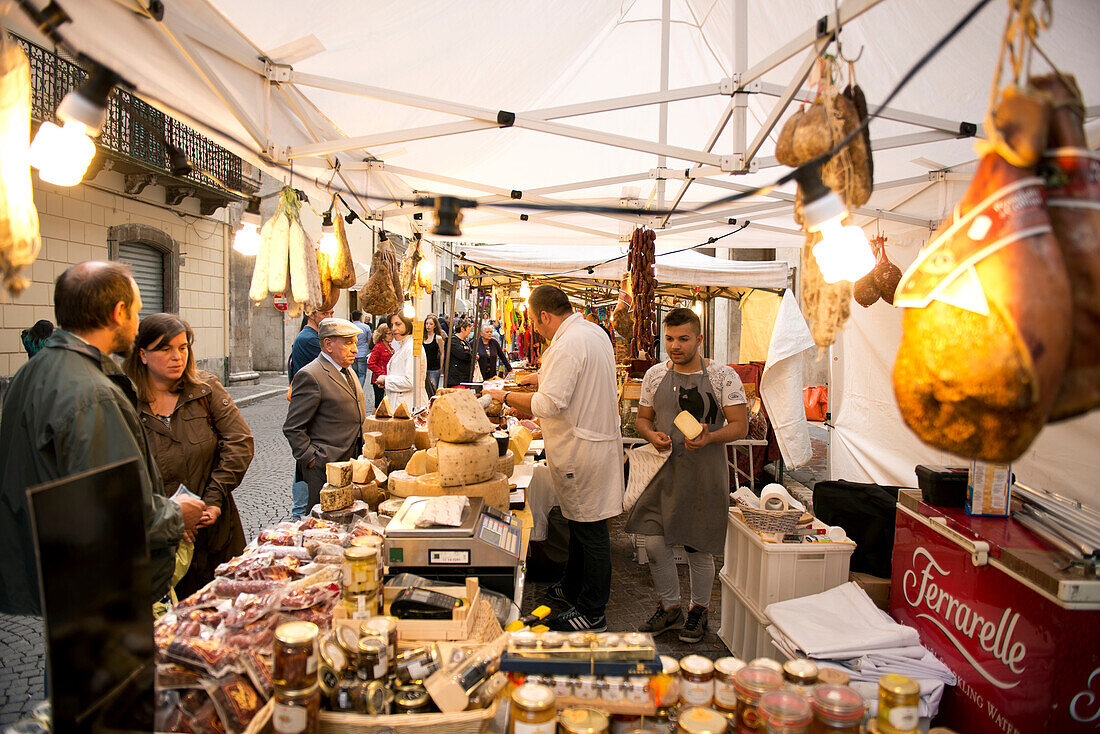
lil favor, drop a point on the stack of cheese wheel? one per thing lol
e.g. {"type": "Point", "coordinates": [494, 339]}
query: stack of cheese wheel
{"type": "Point", "coordinates": [465, 459]}
{"type": "Point", "coordinates": [398, 431]}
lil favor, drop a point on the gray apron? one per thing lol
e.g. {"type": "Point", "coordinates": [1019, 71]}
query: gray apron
{"type": "Point", "coordinates": [688, 499]}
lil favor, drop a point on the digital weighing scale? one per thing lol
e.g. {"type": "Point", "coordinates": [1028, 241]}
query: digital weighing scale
{"type": "Point", "coordinates": [485, 545]}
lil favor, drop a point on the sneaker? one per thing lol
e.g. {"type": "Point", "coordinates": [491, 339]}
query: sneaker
{"type": "Point", "coordinates": [696, 625]}
{"type": "Point", "coordinates": [556, 593]}
{"type": "Point", "coordinates": [572, 620]}
{"type": "Point", "coordinates": [663, 620]}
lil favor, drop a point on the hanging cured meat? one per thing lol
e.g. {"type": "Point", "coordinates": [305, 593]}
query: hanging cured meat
{"type": "Point", "coordinates": [621, 318]}
{"type": "Point", "coordinates": [1072, 174]}
{"type": "Point", "coordinates": [19, 238]}
{"type": "Point", "coordinates": [643, 285]}
{"type": "Point", "coordinates": [987, 326]}
{"type": "Point", "coordinates": [379, 296]}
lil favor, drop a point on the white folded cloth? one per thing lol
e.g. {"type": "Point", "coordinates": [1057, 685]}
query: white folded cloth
{"type": "Point", "coordinates": [445, 511]}
{"type": "Point", "coordinates": [645, 462]}
{"type": "Point", "coordinates": [839, 623]}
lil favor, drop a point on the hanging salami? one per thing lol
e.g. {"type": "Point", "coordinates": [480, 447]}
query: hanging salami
{"type": "Point", "coordinates": [643, 286]}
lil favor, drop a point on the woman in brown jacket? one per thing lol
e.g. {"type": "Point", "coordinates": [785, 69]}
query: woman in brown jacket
{"type": "Point", "coordinates": [197, 435]}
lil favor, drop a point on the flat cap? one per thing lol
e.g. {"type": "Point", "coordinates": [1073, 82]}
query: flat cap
{"type": "Point", "coordinates": [337, 327]}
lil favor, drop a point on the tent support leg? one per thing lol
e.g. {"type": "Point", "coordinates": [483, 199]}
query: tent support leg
{"type": "Point", "coordinates": [662, 120]}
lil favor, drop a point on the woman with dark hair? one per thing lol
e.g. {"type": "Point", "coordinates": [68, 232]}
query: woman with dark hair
{"type": "Point", "coordinates": [197, 436]}
{"type": "Point", "coordinates": [399, 380]}
{"type": "Point", "coordinates": [34, 337]}
{"type": "Point", "coordinates": [379, 361]}
{"type": "Point", "coordinates": [433, 348]}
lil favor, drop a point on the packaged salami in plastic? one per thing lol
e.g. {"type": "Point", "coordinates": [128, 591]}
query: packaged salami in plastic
{"type": "Point", "coordinates": [259, 672]}
{"type": "Point", "coordinates": [235, 700]}
{"type": "Point", "coordinates": [309, 596]}
{"type": "Point", "coordinates": [319, 548]}
{"type": "Point", "coordinates": [248, 608]}
{"type": "Point", "coordinates": [317, 523]}
{"type": "Point", "coordinates": [204, 597]}
{"type": "Point", "coordinates": [285, 533]}
{"type": "Point", "coordinates": [283, 551]}
{"type": "Point", "coordinates": [232, 588]}
{"type": "Point", "coordinates": [257, 636]}
{"type": "Point", "coordinates": [170, 676]}
{"type": "Point", "coordinates": [213, 657]}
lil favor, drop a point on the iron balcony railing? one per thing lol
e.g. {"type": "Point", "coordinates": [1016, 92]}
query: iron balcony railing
{"type": "Point", "coordinates": [134, 128]}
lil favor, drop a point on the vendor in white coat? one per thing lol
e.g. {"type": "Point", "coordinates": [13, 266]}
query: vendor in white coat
{"type": "Point", "coordinates": [399, 378]}
{"type": "Point", "coordinates": [577, 407]}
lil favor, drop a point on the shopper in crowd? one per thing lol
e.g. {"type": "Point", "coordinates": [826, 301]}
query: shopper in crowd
{"type": "Point", "coordinates": [686, 502]}
{"type": "Point", "coordinates": [489, 352]}
{"type": "Point", "coordinates": [71, 409]}
{"type": "Point", "coordinates": [34, 337]}
{"type": "Point", "coordinates": [324, 422]}
{"type": "Point", "coordinates": [196, 435]}
{"type": "Point", "coordinates": [363, 345]}
{"type": "Point", "coordinates": [577, 406]}
{"type": "Point", "coordinates": [433, 348]}
{"type": "Point", "coordinates": [462, 357]}
{"type": "Point", "coordinates": [379, 360]}
{"type": "Point", "coordinates": [399, 379]}
{"type": "Point", "coordinates": [307, 345]}
{"type": "Point", "coordinates": [445, 324]}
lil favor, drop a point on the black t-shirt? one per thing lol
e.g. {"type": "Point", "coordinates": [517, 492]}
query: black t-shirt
{"type": "Point", "coordinates": [431, 354]}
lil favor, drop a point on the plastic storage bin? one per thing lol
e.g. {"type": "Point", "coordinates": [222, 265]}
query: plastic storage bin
{"type": "Point", "coordinates": [744, 627]}
{"type": "Point", "coordinates": [766, 572]}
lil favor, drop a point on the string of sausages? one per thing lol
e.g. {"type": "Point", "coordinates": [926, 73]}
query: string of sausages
{"type": "Point", "coordinates": [643, 285]}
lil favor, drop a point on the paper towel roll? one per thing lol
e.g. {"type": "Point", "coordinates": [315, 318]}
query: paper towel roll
{"type": "Point", "coordinates": [774, 497]}
{"type": "Point", "coordinates": [836, 534]}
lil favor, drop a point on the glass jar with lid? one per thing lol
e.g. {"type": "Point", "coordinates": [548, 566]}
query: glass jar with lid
{"type": "Point", "coordinates": [766, 663]}
{"type": "Point", "coordinates": [696, 680]}
{"type": "Point", "coordinates": [898, 704]}
{"type": "Point", "coordinates": [784, 711]}
{"type": "Point", "coordinates": [666, 684]}
{"type": "Point", "coordinates": [800, 675]}
{"type": "Point", "coordinates": [296, 712]}
{"type": "Point", "coordinates": [700, 720]}
{"type": "Point", "coordinates": [751, 683]}
{"type": "Point", "coordinates": [614, 688]}
{"type": "Point", "coordinates": [360, 570]}
{"type": "Point", "coordinates": [532, 710]}
{"type": "Point", "coordinates": [586, 689]}
{"type": "Point", "coordinates": [294, 656]}
{"type": "Point", "coordinates": [832, 677]}
{"type": "Point", "coordinates": [837, 710]}
{"type": "Point", "coordinates": [725, 694]}
{"type": "Point", "coordinates": [582, 720]}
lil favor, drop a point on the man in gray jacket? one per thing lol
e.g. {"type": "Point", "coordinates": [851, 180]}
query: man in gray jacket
{"type": "Point", "coordinates": [324, 422]}
{"type": "Point", "coordinates": [71, 409]}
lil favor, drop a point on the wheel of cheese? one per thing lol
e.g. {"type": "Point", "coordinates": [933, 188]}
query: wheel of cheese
{"type": "Point", "coordinates": [398, 458]}
{"type": "Point", "coordinates": [422, 439]}
{"type": "Point", "coordinates": [401, 484]}
{"type": "Point", "coordinates": [418, 465]}
{"type": "Point", "coordinates": [433, 460]}
{"type": "Point", "coordinates": [506, 464]}
{"type": "Point", "coordinates": [457, 417]}
{"type": "Point", "coordinates": [397, 433]}
{"type": "Point", "coordinates": [373, 445]}
{"type": "Point", "coordinates": [495, 491]}
{"type": "Point", "coordinates": [467, 463]}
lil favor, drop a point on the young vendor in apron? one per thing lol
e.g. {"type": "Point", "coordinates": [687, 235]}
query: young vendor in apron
{"type": "Point", "coordinates": [687, 501]}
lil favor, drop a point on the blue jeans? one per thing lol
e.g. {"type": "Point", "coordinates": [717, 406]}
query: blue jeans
{"type": "Point", "coordinates": [361, 370]}
{"type": "Point", "coordinates": [300, 493]}
{"type": "Point", "coordinates": [433, 375]}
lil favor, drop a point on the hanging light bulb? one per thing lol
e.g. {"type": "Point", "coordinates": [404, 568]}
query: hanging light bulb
{"type": "Point", "coordinates": [524, 289]}
{"type": "Point", "coordinates": [426, 266]}
{"type": "Point", "coordinates": [410, 310]}
{"type": "Point", "coordinates": [697, 307]}
{"type": "Point", "coordinates": [328, 243]}
{"type": "Point", "coordinates": [247, 239]}
{"type": "Point", "coordinates": [844, 252]}
{"type": "Point", "coordinates": [62, 154]}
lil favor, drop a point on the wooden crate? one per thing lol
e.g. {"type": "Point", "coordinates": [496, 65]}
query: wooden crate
{"type": "Point", "coordinates": [632, 390]}
{"type": "Point", "coordinates": [459, 628]}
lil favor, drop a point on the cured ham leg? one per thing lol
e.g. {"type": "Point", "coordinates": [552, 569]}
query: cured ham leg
{"type": "Point", "coordinates": [1073, 201]}
{"type": "Point", "coordinates": [987, 321]}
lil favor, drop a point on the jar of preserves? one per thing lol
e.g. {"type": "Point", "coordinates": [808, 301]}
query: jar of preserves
{"type": "Point", "coordinates": [360, 570]}
{"type": "Point", "coordinates": [411, 699]}
{"type": "Point", "coordinates": [666, 684]}
{"type": "Point", "coordinates": [696, 680]}
{"type": "Point", "coordinates": [832, 677]}
{"type": "Point", "coordinates": [625, 723]}
{"type": "Point", "coordinates": [360, 606]}
{"type": "Point", "coordinates": [578, 640]}
{"type": "Point", "coordinates": [418, 664]}
{"type": "Point", "coordinates": [766, 663]}
{"type": "Point", "coordinates": [751, 683]}
{"type": "Point", "coordinates": [784, 712]}
{"type": "Point", "coordinates": [898, 704]}
{"type": "Point", "coordinates": [837, 710]}
{"type": "Point", "coordinates": [725, 694]}
{"type": "Point", "coordinates": [614, 688]}
{"type": "Point", "coordinates": [581, 720]}
{"type": "Point", "coordinates": [296, 712]}
{"type": "Point", "coordinates": [524, 640]}
{"type": "Point", "coordinates": [294, 656]}
{"type": "Point", "coordinates": [637, 690]}
{"type": "Point", "coordinates": [552, 640]}
{"type": "Point", "coordinates": [700, 720]}
{"type": "Point", "coordinates": [562, 685]}
{"type": "Point", "coordinates": [800, 675]}
{"type": "Point", "coordinates": [343, 697]}
{"type": "Point", "coordinates": [386, 628]}
{"type": "Point", "coordinates": [373, 698]}
{"type": "Point", "coordinates": [372, 659]}
{"type": "Point", "coordinates": [347, 635]}
{"type": "Point", "coordinates": [585, 689]}
{"type": "Point", "coordinates": [533, 710]}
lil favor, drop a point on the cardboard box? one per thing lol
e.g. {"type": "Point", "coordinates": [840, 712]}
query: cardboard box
{"type": "Point", "coordinates": [876, 587]}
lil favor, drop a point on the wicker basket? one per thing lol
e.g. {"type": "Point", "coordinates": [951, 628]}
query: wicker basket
{"type": "Point", "coordinates": [463, 722]}
{"type": "Point", "coordinates": [769, 521]}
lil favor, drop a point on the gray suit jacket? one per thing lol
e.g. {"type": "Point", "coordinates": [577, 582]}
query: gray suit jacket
{"type": "Point", "coordinates": [324, 421]}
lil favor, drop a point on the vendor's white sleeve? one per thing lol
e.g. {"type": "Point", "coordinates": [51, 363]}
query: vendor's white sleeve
{"type": "Point", "coordinates": [650, 383]}
{"type": "Point", "coordinates": [728, 383]}
{"type": "Point", "coordinates": [399, 372]}
{"type": "Point", "coordinates": [556, 387]}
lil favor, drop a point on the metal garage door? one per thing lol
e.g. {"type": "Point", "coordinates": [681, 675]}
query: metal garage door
{"type": "Point", "coordinates": [148, 268]}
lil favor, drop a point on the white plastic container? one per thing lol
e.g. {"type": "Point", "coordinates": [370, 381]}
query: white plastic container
{"type": "Point", "coordinates": [766, 572]}
{"type": "Point", "coordinates": [744, 627]}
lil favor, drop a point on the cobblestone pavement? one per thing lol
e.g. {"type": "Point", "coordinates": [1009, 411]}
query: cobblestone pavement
{"type": "Point", "coordinates": [263, 499]}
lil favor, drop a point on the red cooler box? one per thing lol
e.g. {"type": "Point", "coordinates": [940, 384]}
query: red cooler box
{"type": "Point", "coordinates": [990, 602]}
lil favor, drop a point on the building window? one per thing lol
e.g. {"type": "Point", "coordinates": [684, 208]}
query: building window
{"type": "Point", "coordinates": [154, 258]}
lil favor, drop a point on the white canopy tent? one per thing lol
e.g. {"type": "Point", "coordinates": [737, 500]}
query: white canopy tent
{"type": "Point", "coordinates": [644, 103]}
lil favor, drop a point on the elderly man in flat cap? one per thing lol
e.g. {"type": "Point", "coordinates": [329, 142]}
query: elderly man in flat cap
{"type": "Point", "coordinates": [324, 422]}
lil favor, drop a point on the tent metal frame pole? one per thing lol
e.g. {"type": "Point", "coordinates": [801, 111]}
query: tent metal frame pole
{"type": "Point", "coordinates": [579, 185]}
{"type": "Point", "coordinates": [635, 100]}
{"type": "Point", "coordinates": [780, 106]}
{"type": "Point", "coordinates": [895, 141]}
{"type": "Point", "coordinates": [387, 138]}
{"type": "Point", "coordinates": [662, 112]}
{"type": "Point", "coordinates": [740, 65]}
{"type": "Point", "coordinates": [715, 136]}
